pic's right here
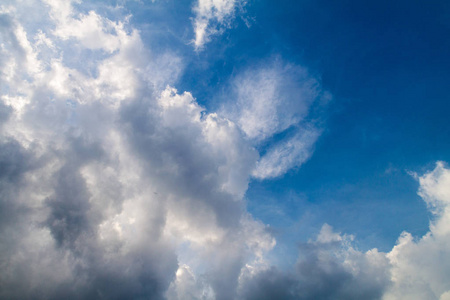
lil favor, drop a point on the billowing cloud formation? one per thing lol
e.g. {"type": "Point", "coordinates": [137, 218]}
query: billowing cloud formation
{"type": "Point", "coordinates": [112, 186]}
{"type": "Point", "coordinates": [331, 268]}
{"type": "Point", "coordinates": [421, 268]}
{"type": "Point", "coordinates": [211, 17]}
{"type": "Point", "coordinates": [115, 185]}
{"type": "Point", "coordinates": [328, 268]}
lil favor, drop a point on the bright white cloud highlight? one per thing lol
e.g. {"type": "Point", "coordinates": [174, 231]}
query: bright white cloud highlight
{"type": "Point", "coordinates": [421, 267]}
{"type": "Point", "coordinates": [211, 17]}
{"type": "Point", "coordinates": [271, 99]}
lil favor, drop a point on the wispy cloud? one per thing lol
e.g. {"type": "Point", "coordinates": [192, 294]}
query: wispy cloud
{"type": "Point", "coordinates": [289, 153]}
{"type": "Point", "coordinates": [212, 17]}
{"type": "Point", "coordinates": [270, 99]}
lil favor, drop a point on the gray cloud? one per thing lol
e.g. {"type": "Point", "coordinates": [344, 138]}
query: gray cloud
{"type": "Point", "coordinates": [5, 112]}
{"type": "Point", "coordinates": [328, 268]}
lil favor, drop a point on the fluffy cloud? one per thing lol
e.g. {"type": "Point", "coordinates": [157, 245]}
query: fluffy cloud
{"type": "Point", "coordinates": [331, 268]}
{"type": "Point", "coordinates": [211, 17]}
{"type": "Point", "coordinates": [421, 267]}
{"type": "Point", "coordinates": [327, 268]}
{"type": "Point", "coordinates": [114, 185]}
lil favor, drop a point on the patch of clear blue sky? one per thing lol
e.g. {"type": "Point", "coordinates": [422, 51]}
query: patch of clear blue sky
{"type": "Point", "coordinates": [387, 65]}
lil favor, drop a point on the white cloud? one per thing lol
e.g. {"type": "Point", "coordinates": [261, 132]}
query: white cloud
{"type": "Point", "coordinates": [331, 268]}
{"type": "Point", "coordinates": [274, 98]}
{"type": "Point", "coordinates": [287, 154]}
{"type": "Point", "coordinates": [421, 267]}
{"type": "Point", "coordinates": [112, 176]}
{"type": "Point", "coordinates": [211, 17]}
{"type": "Point", "coordinates": [187, 287]}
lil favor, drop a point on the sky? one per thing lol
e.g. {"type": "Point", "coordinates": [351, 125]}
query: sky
{"type": "Point", "coordinates": [224, 149]}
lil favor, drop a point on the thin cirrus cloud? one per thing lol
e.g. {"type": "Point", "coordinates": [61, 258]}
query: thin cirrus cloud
{"type": "Point", "coordinates": [115, 185]}
{"type": "Point", "coordinates": [272, 99]}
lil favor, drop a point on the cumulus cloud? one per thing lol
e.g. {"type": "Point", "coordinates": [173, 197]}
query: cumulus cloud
{"type": "Point", "coordinates": [327, 268]}
{"type": "Point", "coordinates": [114, 185]}
{"type": "Point", "coordinates": [287, 154]}
{"type": "Point", "coordinates": [330, 267]}
{"type": "Point", "coordinates": [211, 17]}
{"type": "Point", "coordinates": [421, 267]}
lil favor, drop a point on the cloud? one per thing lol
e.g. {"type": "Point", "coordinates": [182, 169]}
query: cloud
{"type": "Point", "coordinates": [287, 154]}
{"type": "Point", "coordinates": [272, 97]}
{"type": "Point", "coordinates": [421, 267]}
{"type": "Point", "coordinates": [331, 268]}
{"type": "Point", "coordinates": [327, 268]}
{"type": "Point", "coordinates": [271, 103]}
{"type": "Point", "coordinates": [211, 17]}
{"type": "Point", "coordinates": [116, 184]}
{"type": "Point", "coordinates": [113, 184]}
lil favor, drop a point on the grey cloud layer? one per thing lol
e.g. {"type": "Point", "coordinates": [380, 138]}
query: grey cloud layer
{"type": "Point", "coordinates": [116, 186]}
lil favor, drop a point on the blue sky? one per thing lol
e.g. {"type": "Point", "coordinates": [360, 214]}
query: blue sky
{"type": "Point", "coordinates": [386, 65]}
{"type": "Point", "coordinates": [224, 149]}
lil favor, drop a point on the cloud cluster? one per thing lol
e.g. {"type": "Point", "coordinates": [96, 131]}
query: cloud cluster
{"type": "Point", "coordinates": [114, 185]}
{"type": "Point", "coordinates": [330, 267]}
{"type": "Point", "coordinates": [327, 268]}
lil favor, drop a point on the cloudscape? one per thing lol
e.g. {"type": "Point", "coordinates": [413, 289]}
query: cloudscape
{"type": "Point", "coordinates": [224, 149]}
